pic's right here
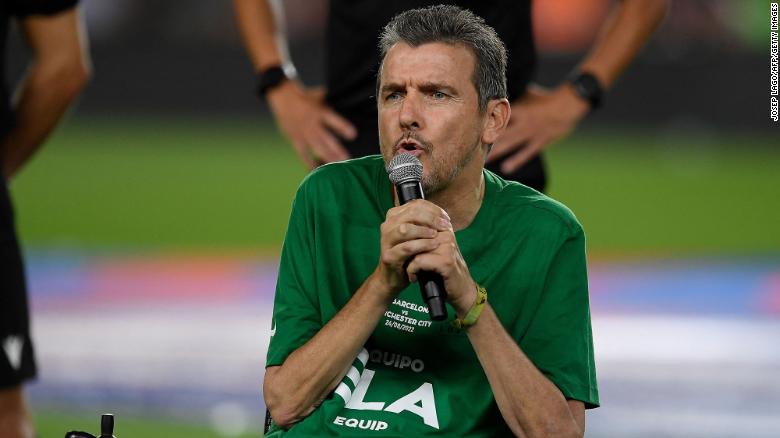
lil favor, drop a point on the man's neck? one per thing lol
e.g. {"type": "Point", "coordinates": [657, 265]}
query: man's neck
{"type": "Point", "coordinates": [461, 201]}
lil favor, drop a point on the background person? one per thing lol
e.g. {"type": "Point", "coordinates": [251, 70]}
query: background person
{"type": "Point", "coordinates": [340, 121]}
{"type": "Point", "coordinates": [58, 71]}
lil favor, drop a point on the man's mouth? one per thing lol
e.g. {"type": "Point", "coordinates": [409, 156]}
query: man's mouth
{"type": "Point", "coordinates": [408, 146]}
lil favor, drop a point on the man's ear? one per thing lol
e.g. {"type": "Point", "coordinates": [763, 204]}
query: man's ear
{"type": "Point", "coordinates": [496, 119]}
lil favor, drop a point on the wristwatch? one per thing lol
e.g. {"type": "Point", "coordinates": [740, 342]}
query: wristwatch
{"type": "Point", "coordinates": [587, 87]}
{"type": "Point", "coordinates": [270, 78]}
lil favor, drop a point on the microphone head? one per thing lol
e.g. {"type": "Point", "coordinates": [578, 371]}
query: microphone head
{"type": "Point", "coordinates": [403, 168]}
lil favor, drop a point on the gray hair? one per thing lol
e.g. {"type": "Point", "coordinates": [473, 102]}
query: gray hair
{"type": "Point", "coordinates": [452, 25]}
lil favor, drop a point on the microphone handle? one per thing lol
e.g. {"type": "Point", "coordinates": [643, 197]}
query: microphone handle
{"type": "Point", "coordinates": [431, 284]}
{"type": "Point", "coordinates": [434, 294]}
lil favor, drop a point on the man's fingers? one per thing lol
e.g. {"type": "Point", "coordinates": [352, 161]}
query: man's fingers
{"type": "Point", "coordinates": [513, 138]}
{"type": "Point", "coordinates": [427, 261]}
{"type": "Point", "coordinates": [517, 160]}
{"type": "Point", "coordinates": [407, 231]}
{"type": "Point", "coordinates": [303, 153]}
{"type": "Point", "coordinates": [420, 212]}
{"type": "Point", "coordinates": [328, 148]}
{"type": "Point", "coordinates": [499, 149]}
{"type": "Point", "coordinates": [341, 126]}
{"type": "Point", "coordinates": [313, 140]}
{"type": "Point", "coordinates": [417, 206]}
{"type": "Point", "coordinates": [399, 254]}
{"type": "Point", "coordinates": [321, 142]}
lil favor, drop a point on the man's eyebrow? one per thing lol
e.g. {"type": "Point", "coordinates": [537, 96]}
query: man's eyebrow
{"type": "Point", "coordinates": [390, 88]}
{"type": "Point", "coordinates": [425, 86]}
{"type": "Point", "coordinates": [438, 86]}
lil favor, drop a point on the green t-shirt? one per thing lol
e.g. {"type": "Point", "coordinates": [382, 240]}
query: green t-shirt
{"type": "Point", "coordinates": [416, 377]}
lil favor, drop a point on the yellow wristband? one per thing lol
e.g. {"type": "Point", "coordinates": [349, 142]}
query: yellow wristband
{"type": "Point", "coordinates": [476, 309]}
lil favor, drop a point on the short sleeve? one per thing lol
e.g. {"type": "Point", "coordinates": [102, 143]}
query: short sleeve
{"type": "Point", "coordinates": [296, 315]}
{"type": "Point", "coordinates": [23, 8]}
{"type": "Point", "coordinates": [559, 340]}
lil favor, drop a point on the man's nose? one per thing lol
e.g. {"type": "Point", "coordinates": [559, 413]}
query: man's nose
{"type": "Point", "coordinates": [409, 117]}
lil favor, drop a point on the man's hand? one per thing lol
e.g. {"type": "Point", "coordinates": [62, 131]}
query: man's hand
{"type": "Point", "coordinates": [446, 260]}
{"type": "Point", "coordinates": [418, 236]}
{"type": "Point", "coordinates": [408, 230]}
{"type": "Point", "coordinates": [538, 119]}
{"type": "Point", "coordinates": [309, 123]}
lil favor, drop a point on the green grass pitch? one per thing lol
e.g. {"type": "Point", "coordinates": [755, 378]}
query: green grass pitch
{"type": "Point", "coordinates": [202, 184]}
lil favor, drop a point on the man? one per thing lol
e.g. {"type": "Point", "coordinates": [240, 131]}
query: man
{"type": "Point", "coordinates": [341, 122]}
{"type": "Point", "coordinates": [353, 351]}
{"type": "Point", "coordinates": [59, 70]}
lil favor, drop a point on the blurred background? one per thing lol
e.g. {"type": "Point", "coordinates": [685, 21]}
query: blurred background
{"type": "Point", "coordinates": [153, 219]}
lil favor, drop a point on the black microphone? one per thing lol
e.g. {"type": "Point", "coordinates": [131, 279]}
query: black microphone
{"type": "Point", "coordinates": [405, 172]}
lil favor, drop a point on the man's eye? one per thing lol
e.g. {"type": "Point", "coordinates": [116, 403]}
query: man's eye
{"type": "Point", "coordinates": [393, 96]}
{"type": "Point", "coordinates": [438, 95]}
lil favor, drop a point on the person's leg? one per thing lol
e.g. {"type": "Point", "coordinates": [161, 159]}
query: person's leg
{"type": "Point", "coordinates": [15, 419]}
{"type": "Point", "coordinates": [17, 362]}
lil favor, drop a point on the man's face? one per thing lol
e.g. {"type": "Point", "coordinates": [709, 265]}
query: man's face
{"type": "Point", "coordinates": [428, 107]}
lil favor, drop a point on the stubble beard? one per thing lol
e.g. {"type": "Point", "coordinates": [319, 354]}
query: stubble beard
{"type": "Point", "coordinates": [439, 177]}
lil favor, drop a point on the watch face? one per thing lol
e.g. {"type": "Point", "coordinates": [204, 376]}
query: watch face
{"type": "Point", "coordinates": [588, 87]}
{"type": "Point", "coordinates": [269, 79]}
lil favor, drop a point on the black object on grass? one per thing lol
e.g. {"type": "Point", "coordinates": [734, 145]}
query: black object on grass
{"type": "Point", "coordinates": [106, 429]}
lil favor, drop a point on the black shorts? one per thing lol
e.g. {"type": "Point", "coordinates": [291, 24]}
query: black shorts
{"type": "Point", "coordinates": [17, 362]}
{"type": "Point", "coordinates": [532, 174]}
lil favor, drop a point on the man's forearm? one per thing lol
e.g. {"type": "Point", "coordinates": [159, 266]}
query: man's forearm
{"type": "Point", "coordinates": [311, 372]}
{"type": "Point", "coordinates": [44, 96]}
{"type": "Point", "coordinates": [59, 71]}
{"type": "Point", "coordinates": [262, 31]}
{"type": "Point", "coordinates": [622, 36]}
{"type": "Point", "coordinates": [530, 403]}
